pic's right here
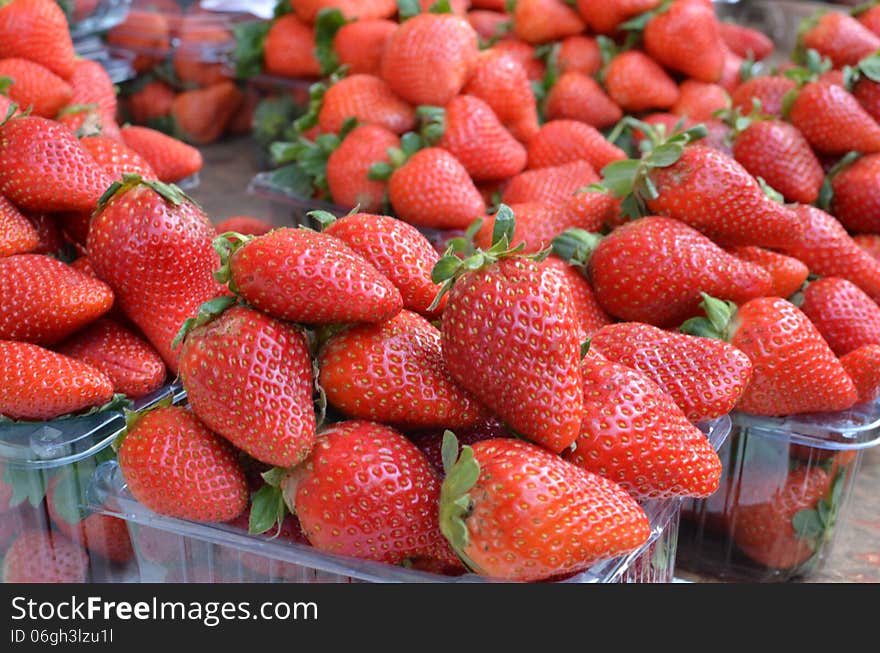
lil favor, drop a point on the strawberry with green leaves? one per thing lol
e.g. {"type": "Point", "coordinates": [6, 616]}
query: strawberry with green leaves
{"type": "Point", "coordinates": [844, 314]}
{"type": "Point", "coordinates": [248, 378]}
{"type": "Point", "coordinates": [365, 98]}
{"type": "Point", "coordinates": [838, 36]}
{"type": "Point", "coordinates": [768, 90]}
{"type": "Point", "coordinates": [358, 45]}
{"type": "Point", "coordinates": [41, 556]}
{"type": "Point", "coordinates": [513, 511]}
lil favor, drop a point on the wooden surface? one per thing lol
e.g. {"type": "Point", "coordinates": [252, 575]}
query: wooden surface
{"type": "Point", "coordinates": [856, 555]}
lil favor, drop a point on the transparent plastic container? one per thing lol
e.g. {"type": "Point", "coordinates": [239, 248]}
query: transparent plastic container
{"type": "Point", "coordinates": [175, 550]}
{"type": "Point", "coordinates": [118, 67]}
{"type": "Point", "coordinates": [45, 471]}
{"type": "Point", "coordinates": [784, 496]}
{"type": "Point", "coordinates": [91, 17]}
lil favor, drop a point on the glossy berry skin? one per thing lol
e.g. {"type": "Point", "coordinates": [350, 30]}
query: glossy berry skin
{"type": "Point", "coordinates": [714, 194]}
{"type": "Point", "coordinates": [841, 38]}
{"type": "Point", "coordinates": [787, 273]}
{"type": "Point", "coordinates": [176, 467]}
{"type": "Point", "coordinates": [746, 41]}
{"type": "Point", "coordinates": [686, 38]}
{"type": "Point", "coordinates": [394, 373]}
{"type": "Point", "coordinates": [553, 185]}
{"type": "Point", "coordinates": [91, 84]}
{"type": "Point", "coordinates": [370, 100]}
{"type": "Point", "coordinates": [636, 83]}
{"type": "Point", "coordinates": [430, 442]}
{"type": "Point", "coordinates": [510, 338]}
{"type": "Point", "coordinates": [870, 243]}
{"type": "Point", "coordinates": [795, 370]}
{"type": "Point", "coordinates": [40, 556]}
{"type": "Point", "coordinates": [135, 368]}
{"type": "Point", "coordinates": [604, 17]}
{"type": "Point", "coordinates": [587, 311]}
{"type": "Point", "coordinates": [368, 492]}
{"type": "Point", "coordinates": [37, 30]}
{"type": "Point", "coordinates": [700, 100]}
{"type": "Point", "coordinates": [833, 121]}
{"type": "Point", "coordinates": [45, 300]}
{"type": "Point", "coordinates": [769, 90]}
{"type": "Point", "coordinates": [534, 515]}
{"type": "Point", "coordinates": [349, 164]}
{"type": "Point", "coordinates": [580, 53]}
{"type": "Point", "coordinates": [541, 21]}
{"type": "Point", "coordinates": [17, 234]}
{"type": "Point", "coordinates": [288, 50]}
{"type": "Point", "coordinates": [863, 367]}
{"type": "Point", "coordinates": [653, 270]}
{"type": "Point", "coordinates": [564, 141]}
{"type": "Point", "coordinates": [172, 160]}
{"type": "Point", "coordinates": [576, 96]}
{"type": "Point", "coordinates": [116, 158]}
{"type": "Point", "coordinates": [39, 384]}
{"type": "Point", "coordinates": [855, 201]}
{"type": "Point", "coordinates": [361, 44]}
{"type": "Point", "coordinates": [247, 225]}
{"type": "Point", "coordinates": [399, 251]}
{"type": "Point", "coordinates": [35, 86]}
{"type": "Point", "coordinates": [248, 378]}
{"type": "Point", "coordinates": [845, 316]}
{"type": "Point", "coordinates": [867, 92]}
{"type": "Point", "coordinates": [314, 278]}
{"type": "Point", "coordinates": [634, 434]}
{"type": "Point", "coordinates": [705, 377]}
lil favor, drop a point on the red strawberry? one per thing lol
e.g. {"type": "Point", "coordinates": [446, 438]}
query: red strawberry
{"type": "Point", "coordinates": [867, 92]}
{"type": "Point", "coordinates": [513, 511]}
{"type": "Point", "coordinates": [43, 167]}
{"type": "Point", "coordinates": [699, 101]}
{"type": "Point", "coordinates": [289, 48]}
{"type": "Point", "coordinates": [794, 369]}
{"type": "Point", "coordinates": [45, 300]}
{"type": "Point", "coordinates": [37, 30]}
{"type": "Point", "coordinates": [360, 45]}
{"type": "Point", "coordinates": [171, 159]}
{"type": "Point", "coordinates": [303, 276]}
{"type": "Point", "coordinates": [870, 243]}
{"type": "Point", "coordinates": [686, 38]}
{"type": "Point", "coordinates": [52, 240]}
{"type": "Point", "coordinates": [497, 329]}
{"type": "Point", "coordinates": [833, 121]}
{"type": "Point", "coordinates": [153, 246]}
{"type": "Point", "coordinates": [394, 373]}
{"type": "Point", "coordinates": [745, 41]}
{"type": "Point", "coordinates": [490, 26]}
{"type": "Point", "coordinates": [150, 102]}
{"type": "Point", "coordinates": [787, 273]}
{"type": "Point", "coordinates": [469, 129]}
{"type": "Point", "coordinates": [17, 234]}
{"type": "Point", "coordinates": [579, 53]}
{"type": "Point", "coordinates": [39, 556]}
{"type": "Point", "coordinates": [840, 37]}
{"type": "Point", "coordinates": [176, 467]}
{"type": "Point", "coordinates": [35, 86]}
{"type": "Point", "coordinates": [604, 17]}
{"type": "Point", "coordinates": [245, 224]}
{"type": "Point", "coordinates": [193, 36]}
{"type": "Point", "coordinates": [308, 10]}
{"type": "Point", "coordinates": [201, 115]}
{"type": "Point", "coordinates": [587, 311]}
{"type": "Point", "coordinates": [653, 270]}
{"type": "Point", "coordinates": [845, 316]}
{"type": "Point", "coordinates": [870, 18]}
{"type": "Point", "coordinates": [854, 201]}
{"type": "Point", "coordinates": [705, 377]}
{"type": "Point", "coordinates": [863, 367]}
{"type": "Point", "coordinates": [564, 141]}
{"type": "Point", "coordinates": [368, 99]}
{"type": "Point", "coordinates": [39, 384]}
{"type": "Point", "coordinates": [576, 96]}
{"type": "Point", "coordinates": [90, 84]}
{"type": "Point", "coordinates": [430, 442]}
{"type": "Point", "coordinates": [134, 367]}
{"type": "Point", "coordinates": [540, 21]}
{"type": "Point", "coordinates": [770, 532]}
{"type": "Point", "coordinates": [553, 185]}
{"type": "Point", "coordinates": [368, 492]}
{"type": "Point", "coordinates": [348, 167]}
{"type": "Point", "coordinates": [637, 83]}
{"type": "Point", "coordinates": [732, 73]}
{"type": "Point", "coordinates": [117, 158]}
{"type": "Point", "coordinates": [248, 378]}
{"type": "Point", "coordinates": [433, 189]}
{"type": "Point", "coordinates": [525, 54]}
{"type": "Point", "coordinates": [144, 32]}
{"type": "Point", "coordinates": [768, 90]}
{"type": "Point", "coordinates": [429, 58]}
{"type": "Point", "coordinates": [399, 251]}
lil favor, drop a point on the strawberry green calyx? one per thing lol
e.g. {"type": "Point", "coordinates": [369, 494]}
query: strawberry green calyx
{"type": "Point", "coordinates": [71, 109]}
{"type": "Point", "coordinates": [461, 473]}
{"type": "Point", "coordinates": [169, 192]}
{"type": "Point", "coordinates": [69, 495]}
{"type": "Point", "coordinates": [433, 123]}
{"type": "Point", "coordinates": [410, 143]}
{"type": "Point", "coordinates": [316, 99]}
{"type": "Point", "coordinates": [132, 417]}
{"type": "Point", "coordinates": [826, 193]}
{"type": "Point", "coordinates": [226, 245]}
{"type": "Point", "coordinates": [327, 24]}
{"type": "Point", "coordinates": [268, 508]}
{"type": "Point", "coordinates": [867, 68]}
{"type": "Point", "coordinates": [208, 311]}
{"type": "Point", "coordinates": [640, 22]}
{"type": "Point", "coordinates": [406, 9]}
{"type": "Point", "coordinates": [576, 246]}
{"type": "Point", "coordinates": [549, 54]}
{"type": "Point", "coordinates": [717, 324]}
{"type": "Point", "coordinates": [25, 484]}
{"type": "Point", "coordinates": [311, 156]}
{"type": "Point", "coordinates": [250, 37]}
{"type": "Point", "coordinates": [5, 83]}
{"type": "Point", "coordinates": [812, 64]}
{"type": "Point", "coordinates": [325, 218]}
{"type": "Point", "coordinates": [816, 525]}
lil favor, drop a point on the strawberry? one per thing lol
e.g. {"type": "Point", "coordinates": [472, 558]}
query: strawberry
{"type": "Point", "coordinates": [829, 251]}
{"type": "Point", "coordinates": [37, 30]}
{"type": "Point", "coordinates": [303, 276]}
{"type": "Point", "coordinates": [869, 243]}
{"type": "Point", "coordinates": [686, 38]}
{"type": "Point", "coordinates": [348, 167]}
{"type": "Point", "coordinates": [605, 17]}
{"type": "Point", "coordinates": [289, 48]}
{"type": "Point", "coordinates": [430, 442]}
{"type": "Point", "coordinates": [490, 26]}
{"type": "Point", "coordinates": [176, 467]}
{"type": "Point", "coordinates": [361, 44]}
{"type": "Point", "coordinates": [259, 399]}
{"type": "Point", "coordinates": [840, 37]}
{"type": "Point", "coordinates": [769, 90]}
{"type": "Point", "coordinates": [469, 129]}
{"type": "Point", "coordinates": [833, 121]}
{"type": "Point", "coordinates": [39, 384]}
{"type": "Point", "coordinates": [699, 101]}
{"type": "Point", "coordinates": [368, 492]}
{"type": "Point", "coordinates": [775, 532]}
{"type": "Point", "coordinates": [201, 115]}
{"type": "Point", "coordinates": [553, 185]}
{"type": "Point", "coordinates": [134, 367]}
{"type": "Point", "coordinates": [35, 86]}
{"type": "Point", "coordinates": [433, 189]}
{"type": "Point", "coordinates": [398, 250]}
{"type": "Point", "coordinates": [777, 152]}
{"type": "Point", "coordinates": [171, 159]}
{"type": "Point", "coordinates": [515, 512]}
{"type": "Point", "coordinates": [90, 84]}
{"type": "Point", "coordinates": [496, 343]}
{"type": "Point", "coordinates": [17, 234]}
{"type": "Point", "coordinates": [787, 274]}
{"type": "Point", "coordinates": [794, 369]}
{"type": "Point", "coordinates": [746, 42]}
{"type": "Point", "coordinates": [854, 189]}
{"type": "Point", "coordinates": [152, 245]}
{"type": "Point", "coordinates": [576, 96]}
{"type": "Point", "coordinates": [540, 21]}
{"type": "Point", "coordinates": [653, 270]}
{"type": "Point", "coordinates": [863, 367]}
{"type": "Point", "coordinates": [368, 99]}
{"type": "Point", "coordinates": [394, 373]}
{"type": "Point", "coordinates": [503, 83]}
{"type": "Point", "coordinates": [526, 54]}
{"type": "Point", "coordinates": [429, 58]}
{"type": "Point", "coordinates": [151, 102]}
{"type": "Point", "coordinates": [637, 83]}
{"type": "Point", "coordinates": [563, 141]}
{"type": "Point", "coordinates": [579, 53]}
{"type": "Point", "coordinates": [52, 239]}
{"type": "Point", "coordinates": [732, 72]}
{"type": "Point", "coordinates": [39, 556]}
{"type": "Point", "coordinates": [45, 300]}
{"type": "Point", "coordinates": [85, 120]}
{"type": "Point", "coordinates": [308, 10]}
{"type": "Point", "coordinates": [867, 92]}
{"type": "Point", "coordinates": [705, 377]}
{"type": "Point", "coordinates": [195, 35]}
{"type": "Point", "coordinates": [846, 317]}
{"type": "Point", "coordinates": [587, 311]}
{"type": "Point", "coordinates": [144, 32]}
{"type": "Point", "coordinates": [245, 224]}
{"type": "Point", "coordinates": [116, 158]}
